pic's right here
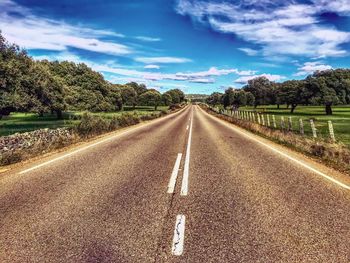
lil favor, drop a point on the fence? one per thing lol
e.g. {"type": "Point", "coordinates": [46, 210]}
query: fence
{"type": "Point", "coordinates": [296, 125]}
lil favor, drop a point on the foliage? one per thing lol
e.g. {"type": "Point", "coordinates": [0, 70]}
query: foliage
{"type": "Point", "coordinates": [151, 98]}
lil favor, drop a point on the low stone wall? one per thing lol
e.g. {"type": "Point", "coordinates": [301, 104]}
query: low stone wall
{"type": "Point", "coordinates": [20, 146]}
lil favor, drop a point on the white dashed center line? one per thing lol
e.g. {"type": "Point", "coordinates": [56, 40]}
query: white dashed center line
{"type": "Point", "coordinates": [179, 236]}
{"type": "Point", "coordinates": [172, 182]}
{"type": "Point", "coordinates": [184, 187]}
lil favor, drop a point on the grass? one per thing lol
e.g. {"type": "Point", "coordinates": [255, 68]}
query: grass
{"type": "Point", "coordinates": [23, 122]}
{"type": "Point", "coordinates": [340, 119]}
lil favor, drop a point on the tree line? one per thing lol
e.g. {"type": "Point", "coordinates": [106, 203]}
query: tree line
{"type": "Point", "coordinates": [27, 85]}
{"type": "Point", "coordinates": [326, 88]}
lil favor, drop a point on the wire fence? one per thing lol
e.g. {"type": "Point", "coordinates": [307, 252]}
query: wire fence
{"type": "Point", "coordinates": [304, 127]}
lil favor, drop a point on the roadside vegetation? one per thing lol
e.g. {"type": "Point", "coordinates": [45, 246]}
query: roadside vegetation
{"type": "Point", "coordinates": [44, 94]}
{"type": "Point", "coordinates": [49, 105]}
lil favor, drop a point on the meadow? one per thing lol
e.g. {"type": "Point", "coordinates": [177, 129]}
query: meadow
{"type": "Point", "coordinates": [23, 122]}
{"type": "Point", "coordinates": [340, 119]}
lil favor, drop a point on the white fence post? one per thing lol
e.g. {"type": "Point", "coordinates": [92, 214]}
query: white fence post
{"type": "Point", "coordinates": [263, 119]}
{"type": "Point", "coordinates": [268, 120]}
{"type": "Point", "coordinates": [331, 131]}
{"type": "Point", "coordinates": [301, 126]}
{"type": "Point", "coordinates": [274, 121]}
{"type": "Point", "coordinates": [258, 115]}
{"type": "Point", "coordinates": [290, 124]}
{"type": "Point", "coordinates": [313, 128]}
{"type": "Point", "coordinates": [282, 123]}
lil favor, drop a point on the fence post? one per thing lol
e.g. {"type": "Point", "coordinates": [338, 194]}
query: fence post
{"type": "Point", "coordinates": [282, 123]}
{"type": "Point", "coordinates": [313, 128]}
{"type": "Point", "coordinates": [254, 120]}
{"type": "Point", "coordinates": [258, 115]}
{"type": "Point", "coordinates": [250, 116]}
{"type": "Point", "coordinates": [301, 126]}
{"type": "Point", "coordinates": [290, 127]}
{"type": "Point", "coordinates": [274, 121]}
{"type": "Point", "coordinates": [268, 120]}
{"type": "Point", "coordinates": [263, 119]}
{"type": "Point", "coordinates": [331, 131]}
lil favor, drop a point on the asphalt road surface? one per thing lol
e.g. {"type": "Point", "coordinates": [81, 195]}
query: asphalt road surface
{"type": "Point", "coordinates": [184, 188]}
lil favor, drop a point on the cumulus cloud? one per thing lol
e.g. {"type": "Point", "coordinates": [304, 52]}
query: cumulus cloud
{"type": "Point", "coordinates": [245, 79]}
{"type": "Point", "coordinates": [162, 60]}
{"type": "Point", "coordinates": [33, 32]}
{"type": "Point", "coordinates": [311, 67]}
{"type": "Point", "coordinates": [290, 29]}
{"type": "Point", "coordinates": [151, 66]}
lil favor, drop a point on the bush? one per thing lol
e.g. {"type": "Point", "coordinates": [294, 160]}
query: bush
{"type": "Point", "coordinates": [127, 119]}
{"type": "Point", "coordinates": [92, 125]}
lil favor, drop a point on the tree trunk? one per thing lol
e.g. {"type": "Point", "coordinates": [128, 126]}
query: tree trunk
{"type": "Point", "coordinates": [278, 106]}
{"type": "Point", "coordinates": [155, 107]}
{"type": "Point", "coordinates": [293, 108]}
{"type": "Point", "coordinates": [329, 110]}
{"type": "Point", "coordinates": [59, 114]}
{"type": "Point", "coordinates": [287, 106]}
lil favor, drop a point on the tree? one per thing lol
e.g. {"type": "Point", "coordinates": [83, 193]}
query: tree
{"type": "Point", "coordinates": [139, 88]}
{"type": "Point", "coordinates": [129, 96]}
{"type": "Point", "coordinates": [321, 94]}
{"type": "Point", "coordinates": [177, 95]}
{"type": "Point", "coordinates": [151, 98]}
{"type": "Point", "coordinates": [215, 98]}
{"type": "Point", "coordinates": [115, 96]}
{"type": "Point", "coordinates": [237, 98]}
{"type": "Point", "coordinates": [262, 90]}
{"type": "Point", "coordinates": [291, 93]}
{"type": "Point", "coordinates": [49, 90]}
{"type": "Point", "coordinates": [167, 99]}
{"type": "Point", "coordinates": [14, 66]}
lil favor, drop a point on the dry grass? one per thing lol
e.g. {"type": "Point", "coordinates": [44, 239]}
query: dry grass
{"type": "Point", "coordinates": [336, 155]}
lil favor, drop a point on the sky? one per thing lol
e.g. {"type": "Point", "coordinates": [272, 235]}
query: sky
{"type": "Point", "coordinates": [197, 46]}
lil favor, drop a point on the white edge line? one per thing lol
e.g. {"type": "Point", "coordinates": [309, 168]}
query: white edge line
{"type": "Point", "coordinates": [172, 182]}
{"type": "Point", "coordinates": [179, 236]}
{"type": "Point", "coordinates": [184, 186]}
{"type": "Point", "coordinates": [293, 159]}
{"type": "Point", "coordinates": [132, 129]}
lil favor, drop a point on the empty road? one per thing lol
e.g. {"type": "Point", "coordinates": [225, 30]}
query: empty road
{"type": "Point", "coordinates": [187, 187]}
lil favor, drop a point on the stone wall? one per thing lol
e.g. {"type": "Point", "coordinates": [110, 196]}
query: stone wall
{"type": "Point", "coordinates": [20, 146]}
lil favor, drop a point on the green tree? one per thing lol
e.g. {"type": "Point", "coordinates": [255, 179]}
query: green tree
{"type": "Point", "coordinates": [215, 98]}
{"type": "Point", "coordinates": [319, 93]}
{"type": "Point", "coordinates": [151, 98]}
{"type": "Point", "coordinates": [167, 99]}
{"type": "Point", "coordinates": [262, 90]}
{"type": "Point", "coordinates": [291, 93]}
{"type": "Point", "coordinates": [129, 96]}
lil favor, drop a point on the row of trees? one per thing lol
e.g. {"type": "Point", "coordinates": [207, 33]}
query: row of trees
{"type": "Point", "coordinates": [327, 88]}
{"type": "Point", "coordinates": [27, 85]}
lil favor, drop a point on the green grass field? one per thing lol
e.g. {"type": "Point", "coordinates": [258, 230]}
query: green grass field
{"type": "Point", "coordinates": [340, 119]}
{"type": "Point", "coordinates": [23, 122]}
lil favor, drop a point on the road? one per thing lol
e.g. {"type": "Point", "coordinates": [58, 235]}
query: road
{"type": "Point", "coordinates": [183, 188]}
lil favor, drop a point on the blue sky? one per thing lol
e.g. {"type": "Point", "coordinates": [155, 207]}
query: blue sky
{"type": "Point", "coordinates": [197, 46]}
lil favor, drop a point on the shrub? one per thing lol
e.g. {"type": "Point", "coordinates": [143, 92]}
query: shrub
{"type": "Point", "coordinates": [92, 125]}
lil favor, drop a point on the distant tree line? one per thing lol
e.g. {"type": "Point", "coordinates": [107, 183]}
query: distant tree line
{"type": "Point", "coordinates": [27, 85]}
{"type": "Point", "coordinates": [326, 88]}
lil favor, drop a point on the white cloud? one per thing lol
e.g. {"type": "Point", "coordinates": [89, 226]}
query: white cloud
{"type": "Point", "coordinates": [33, 32]}
{"type": "Point", "coordinates": [292, 29]}
{"type": "Point", "coordinates": [245, 79]}
{"type": "Point", "coordinates": [160, 60]}
{"type": "Point", "coordinates": [148, 39]}
{"type": "Point", "coordinates": [202, 80]}
{"type": "Point", "coordinates": [311, 67]}
{"type": "Point", "coordinates": [151, 66]}
{"type": "Point", "coordinates": [249, 51]}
